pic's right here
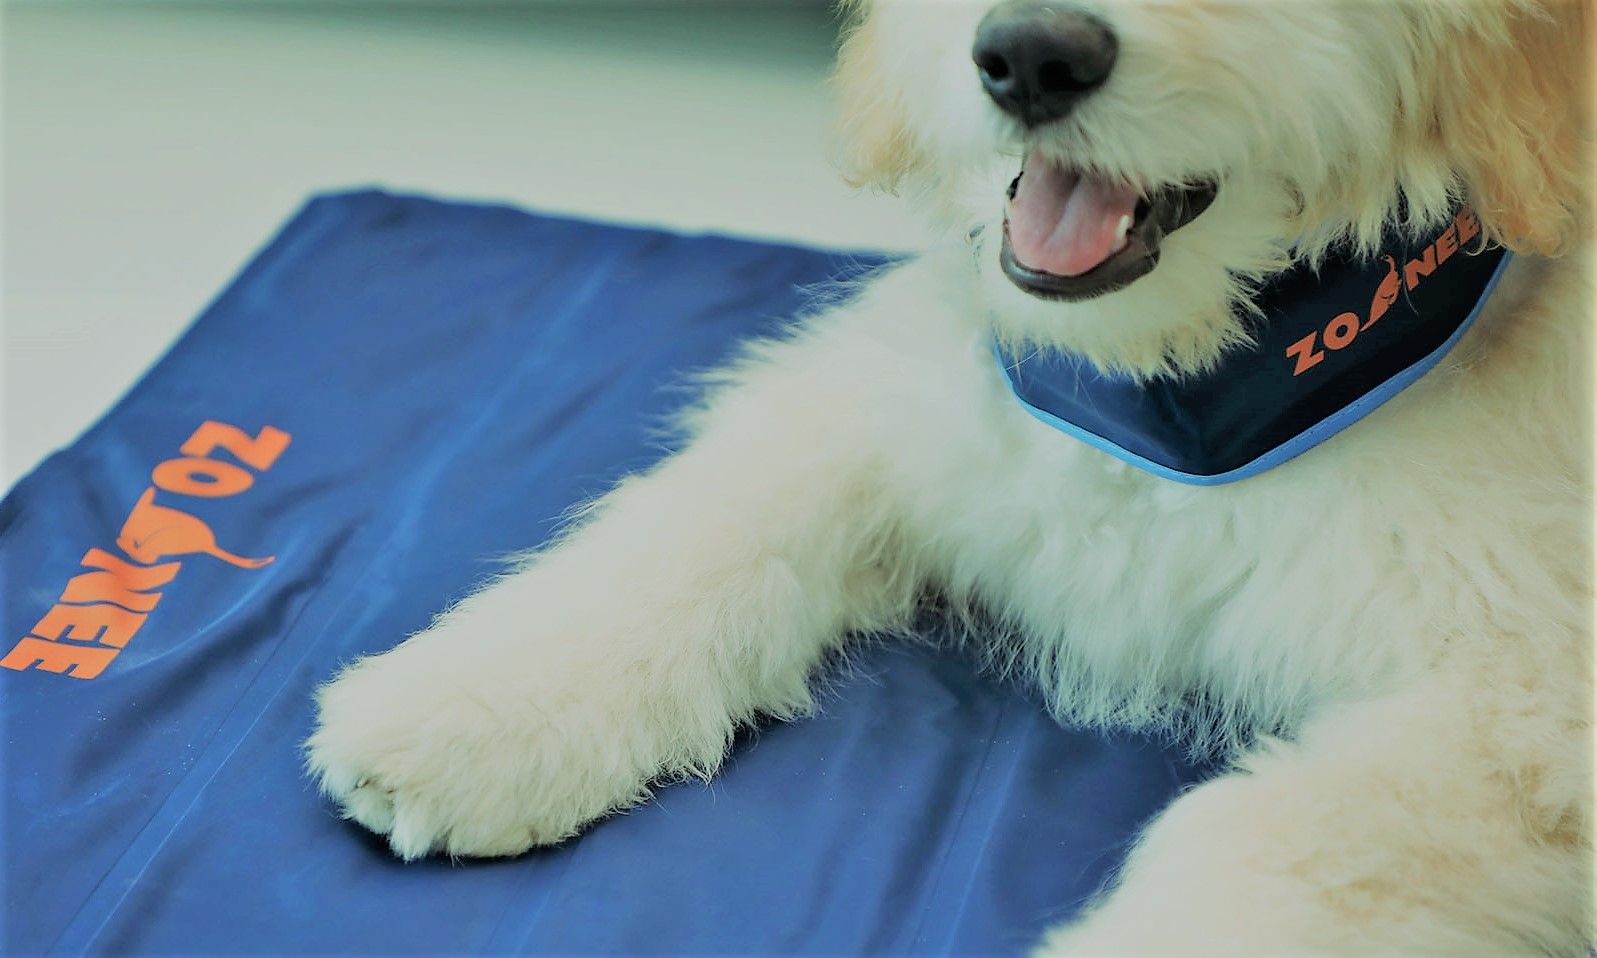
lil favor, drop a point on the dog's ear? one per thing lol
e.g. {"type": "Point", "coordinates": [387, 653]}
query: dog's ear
{"type": "Point", "coordinates": [1510, 104]}
{"type": "Point", "coordinates": [873, 143]}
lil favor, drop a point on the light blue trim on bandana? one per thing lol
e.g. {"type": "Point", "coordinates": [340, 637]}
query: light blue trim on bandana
{"type": "Point", "coordinates": [1292, 448]}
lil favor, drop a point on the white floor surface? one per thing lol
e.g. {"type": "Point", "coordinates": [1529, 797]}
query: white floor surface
{"type": "Point", "coordinates": [148, 148]}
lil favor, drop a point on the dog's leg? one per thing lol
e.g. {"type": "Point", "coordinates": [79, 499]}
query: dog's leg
{"type": "Point", "coordinates": [693, 598]}
{"type": "Point", "coordinates": [1448, 820]}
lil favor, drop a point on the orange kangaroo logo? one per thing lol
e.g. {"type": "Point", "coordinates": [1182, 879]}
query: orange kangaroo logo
{"type": "Point", "coordinates": [1385, 294]}
{"type": "Point", "coordinates": [1340, 332]}
{"type": "Point", "coordinates": [153, 533]}
{"type": "Point", "coordinates": [103, 607]}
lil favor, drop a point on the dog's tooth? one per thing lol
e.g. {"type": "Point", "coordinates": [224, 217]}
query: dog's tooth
{"type": "Point", "coordinates": [1124, 229]}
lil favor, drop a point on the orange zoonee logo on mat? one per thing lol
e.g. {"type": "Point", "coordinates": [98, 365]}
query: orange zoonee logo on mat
{"type": "Point", "coordinates": [101, 608]}
{"type": "Point", "coordinates": [1340, 332]}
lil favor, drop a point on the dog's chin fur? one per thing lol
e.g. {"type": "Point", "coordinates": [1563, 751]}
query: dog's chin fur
{"type": "Point", "coordinates": [1209, 266]}
{"type": "Point", "coordinates": [1390, 635]}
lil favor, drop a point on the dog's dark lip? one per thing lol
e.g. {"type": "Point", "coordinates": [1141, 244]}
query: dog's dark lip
{"type": "Point", "coordinates": [1157, 216]}
{"type": "Point", "coordinates": [1117, 272]}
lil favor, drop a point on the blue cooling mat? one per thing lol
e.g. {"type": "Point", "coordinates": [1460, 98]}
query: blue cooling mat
{"type": "Point", "coordinates": [449, 379]}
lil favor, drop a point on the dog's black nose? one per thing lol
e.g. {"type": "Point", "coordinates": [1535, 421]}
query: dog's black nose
{"type": "Point", "coordinates": [1037, 59]}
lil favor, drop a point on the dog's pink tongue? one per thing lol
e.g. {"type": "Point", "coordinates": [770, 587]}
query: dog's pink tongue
{"type": "Point", "coordinates": [1064, 223]}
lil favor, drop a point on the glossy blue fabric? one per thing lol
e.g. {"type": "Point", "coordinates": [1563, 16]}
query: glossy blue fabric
{"type": "Point", "coordinates": [453, 377]}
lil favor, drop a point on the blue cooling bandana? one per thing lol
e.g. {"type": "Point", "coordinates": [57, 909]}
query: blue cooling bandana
{"type": "Point", "coordinates": [1334, 344]}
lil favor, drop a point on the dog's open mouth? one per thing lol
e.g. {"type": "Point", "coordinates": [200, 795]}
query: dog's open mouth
{"type": "Point", "coordinates": [1070, 235]}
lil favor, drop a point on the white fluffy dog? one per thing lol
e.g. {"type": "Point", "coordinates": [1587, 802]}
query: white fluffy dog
{"type": "Point", "coordinates": [1394, 627]}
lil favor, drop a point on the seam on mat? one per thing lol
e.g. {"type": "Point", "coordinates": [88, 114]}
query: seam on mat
{"type": "Point", "coordinates": [959, 820]}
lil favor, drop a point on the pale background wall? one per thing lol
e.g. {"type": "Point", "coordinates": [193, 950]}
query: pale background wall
{"type": "Point", "coordinates": [148, 148]}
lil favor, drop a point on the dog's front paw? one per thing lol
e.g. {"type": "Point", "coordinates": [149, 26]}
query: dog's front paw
{"type": "Point", "coordinates": [1136, 926]}
{"type": "Point", "coordinates": [1150, 935]}
{"type": "Point", "coordinates": [450, 743]}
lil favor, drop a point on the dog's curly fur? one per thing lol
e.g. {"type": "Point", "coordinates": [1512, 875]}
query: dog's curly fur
{"type": "Point", "coordinates": [1392, 634]}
